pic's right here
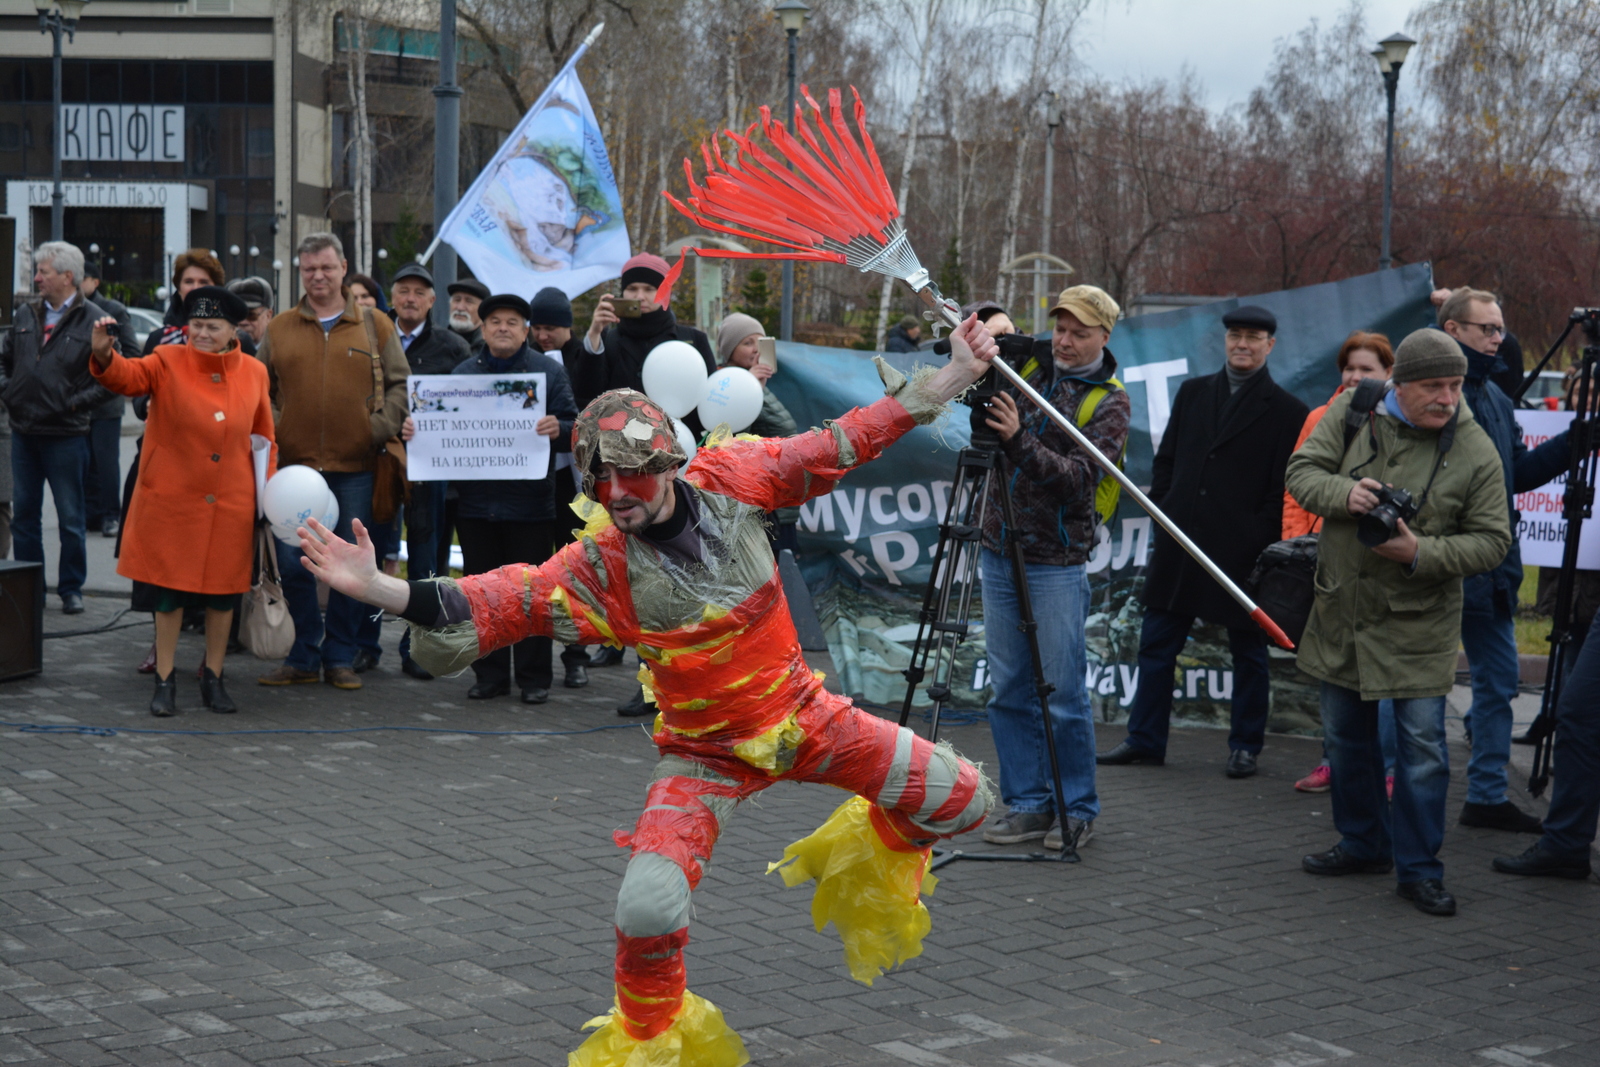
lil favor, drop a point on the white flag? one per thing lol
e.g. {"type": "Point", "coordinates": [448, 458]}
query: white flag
{"type": "Point", "coordinates": [545, 211]}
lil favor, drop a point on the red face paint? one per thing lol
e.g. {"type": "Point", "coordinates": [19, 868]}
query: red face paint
{"type": "Point", "coordinates": [637, 485]}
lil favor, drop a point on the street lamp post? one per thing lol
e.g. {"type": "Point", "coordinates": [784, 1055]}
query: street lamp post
{"type": "Point", "coordinates": [1390, 54]}
{"type": "Point", "coordinates": [446, 154]}
{"type": "Point", "coordinates": [1052, 120]}
{"type": "Point", "coordinates": [793, 15]}
{"type": "Point", "coordinates": [55, 18]}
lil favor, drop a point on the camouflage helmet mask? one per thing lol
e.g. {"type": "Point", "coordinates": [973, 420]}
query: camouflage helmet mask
{"type": "Point", "coordinates": [626, 428]}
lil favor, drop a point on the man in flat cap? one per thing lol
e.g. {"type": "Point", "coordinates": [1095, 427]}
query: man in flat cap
{"type": "Point", "coordinates": [513, 520]}
{"type": "Point", "coordinates": [428, 351]}
{"type": "Point", "coordinates": [1218, 473]}
{"type": "Point", "coordinates": [465, 296]}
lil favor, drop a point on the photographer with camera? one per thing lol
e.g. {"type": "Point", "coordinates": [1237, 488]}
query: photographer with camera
{"type": "Point", "coordinates": [1386, 620]}
{"type": "Point", "coordinates": [1474, 322]}
{"type": "Point", "coordinates": [1056, 519]}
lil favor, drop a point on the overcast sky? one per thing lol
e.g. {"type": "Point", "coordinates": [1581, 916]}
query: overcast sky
{"type": "Point", "coordinates": [1227, 43]}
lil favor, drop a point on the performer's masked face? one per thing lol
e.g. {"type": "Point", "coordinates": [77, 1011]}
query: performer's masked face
{"type": "Point", "coordinates": [628, 451]}
{"type": "Point", "coordinates": [635, 499]}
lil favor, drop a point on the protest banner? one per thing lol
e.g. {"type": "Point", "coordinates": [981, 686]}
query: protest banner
{"type": "Point", "coordinates": [476, 427]}
{"type": "Point", "coordinates": [545, 211]}
{"type": "Point", "coordinates": [1542, 530]}
{"type": "Point", "coordinates": [867, 546]}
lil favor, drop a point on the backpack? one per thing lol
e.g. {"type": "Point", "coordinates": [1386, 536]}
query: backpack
{"type": "Point", "coordinates": [1282, 582]}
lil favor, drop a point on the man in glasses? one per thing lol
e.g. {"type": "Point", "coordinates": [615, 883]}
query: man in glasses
{"type": "Point", "coordinates": [1473, 318]}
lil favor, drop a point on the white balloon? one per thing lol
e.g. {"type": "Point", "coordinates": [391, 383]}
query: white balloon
{"type": "Point", "coordinates": [733, 398]}
{"type": "Point", "coordinates": [674, 376]}
{"type": "Point", "coordinates": [330, 512]}
{"type": "Point", "coordinates": [685, 439]}
{"type": "Point", "coordinates": [293, 495]}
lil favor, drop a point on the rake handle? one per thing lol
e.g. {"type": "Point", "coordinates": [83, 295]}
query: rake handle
{"type": "Point", "coordinates": [947, 312]}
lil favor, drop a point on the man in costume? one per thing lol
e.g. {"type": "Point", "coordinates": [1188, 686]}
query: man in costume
{"type": "Point", "coordinates": [680, 568]}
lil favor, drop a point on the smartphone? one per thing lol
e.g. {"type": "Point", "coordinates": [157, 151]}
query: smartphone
{"type": "Point", "coordinates": [767, 352]}
{"type": "Point", "coordinates": [626, 308]}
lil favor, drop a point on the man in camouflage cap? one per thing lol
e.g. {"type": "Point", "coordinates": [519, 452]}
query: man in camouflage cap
{"type": "Point", "coordinates": [680, 568]}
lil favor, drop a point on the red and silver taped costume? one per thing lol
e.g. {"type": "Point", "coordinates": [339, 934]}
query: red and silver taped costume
{"type": "Point", "coordinates": [740, 709]}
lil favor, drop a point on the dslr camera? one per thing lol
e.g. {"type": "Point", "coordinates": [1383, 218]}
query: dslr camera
{"type": "Point", "coordinates": [1382, 522]}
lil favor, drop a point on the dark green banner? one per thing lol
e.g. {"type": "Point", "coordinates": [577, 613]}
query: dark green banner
{"type": "Point", "coordinates": [867, 546]}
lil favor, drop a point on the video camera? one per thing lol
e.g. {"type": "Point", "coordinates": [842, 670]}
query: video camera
{"type": "Point", "coordinates": [1016, 349]}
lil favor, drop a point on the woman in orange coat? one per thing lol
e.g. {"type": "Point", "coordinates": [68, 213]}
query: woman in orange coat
{"type": "Point", "coordinates": [191, 523]}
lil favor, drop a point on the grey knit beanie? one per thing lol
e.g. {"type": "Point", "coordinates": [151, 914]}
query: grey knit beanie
{"type": "Point", "coordinates": [1428, 353]}
{"type": "Point", "coordinates": [736, 328]}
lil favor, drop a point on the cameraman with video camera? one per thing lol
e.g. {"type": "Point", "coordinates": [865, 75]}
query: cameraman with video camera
{"type": "Point", "coordinates": [1054, 484]}
{"type": "Point", "coordinates": [1426, 508]}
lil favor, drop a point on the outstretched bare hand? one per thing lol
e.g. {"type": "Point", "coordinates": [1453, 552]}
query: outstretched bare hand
{"type": "Point", "coordinates": [352, 569]}
{"type": "Point", "coordinates": [348, 568]}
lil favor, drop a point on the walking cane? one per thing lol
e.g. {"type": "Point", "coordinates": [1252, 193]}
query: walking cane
{"type": "Point", "coordinates": [836, 206]}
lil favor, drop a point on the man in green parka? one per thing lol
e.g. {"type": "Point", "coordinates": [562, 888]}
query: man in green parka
{"type": "Point", "coordinates": [1386, 622]}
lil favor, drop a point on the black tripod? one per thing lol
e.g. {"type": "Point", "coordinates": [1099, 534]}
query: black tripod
{"type": "Point", "coordinates": [946, 612]}
{"type": "Point", "coordinates": [1577, 506]}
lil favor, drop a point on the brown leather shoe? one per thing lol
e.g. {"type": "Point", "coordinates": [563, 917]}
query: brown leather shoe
{"type": "Point", "coordinates": [287, 675]}
{"type": "Point", "coordinates": [341, 677]}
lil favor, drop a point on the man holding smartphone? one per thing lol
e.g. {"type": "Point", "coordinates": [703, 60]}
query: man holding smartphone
{"type": "Point", "coordinates": [624, 332]}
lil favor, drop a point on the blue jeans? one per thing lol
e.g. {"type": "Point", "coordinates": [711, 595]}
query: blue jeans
{"type": "Point", "coordinates": [351, 624]}
{"type": "Point", "coordinates": [1412, 828]}
{"type": "Point", "coordinates": [1060, 600]}
{"type": "Point", "coordinates": [1569, 828]}
{"type": "Point", "coordinates": [103, 489]}
{"type": "Point", "coordinates": [63, 462]}
{"type": "Point", "coordinates": [1385, 736]}
{"type": "Point", "coordinates": [1490, 640]}
{"type": "Point", "coordinates": [1161, 639]}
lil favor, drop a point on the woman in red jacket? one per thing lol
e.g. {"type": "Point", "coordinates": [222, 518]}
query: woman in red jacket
{"type": "Point", "coordinates": [191, 522]}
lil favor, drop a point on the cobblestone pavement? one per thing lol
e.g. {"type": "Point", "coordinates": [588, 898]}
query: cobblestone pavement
{"type": "Point", "coordinates": [445, 898]}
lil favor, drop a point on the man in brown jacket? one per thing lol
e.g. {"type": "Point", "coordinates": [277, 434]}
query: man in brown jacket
{"type": "Point", "coordinates": [338, 378]}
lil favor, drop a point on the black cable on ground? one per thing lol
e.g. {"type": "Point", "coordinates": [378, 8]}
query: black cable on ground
{"type": "Point", "coordinates": [112, 731]}
{"type": "Point", "coordinates": [105, 627]}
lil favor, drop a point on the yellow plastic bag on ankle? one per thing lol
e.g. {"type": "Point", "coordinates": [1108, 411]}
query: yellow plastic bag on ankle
{"type": "Point", "coordinates": [698, 1037]}
{"type": "Point", "coordinates": [869, 891]}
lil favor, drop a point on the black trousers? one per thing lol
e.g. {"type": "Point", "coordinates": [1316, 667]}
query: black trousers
{"type": "Point", "coordinates": [486, 545]}
{"type": "Point", "coordinates": [567, 489]}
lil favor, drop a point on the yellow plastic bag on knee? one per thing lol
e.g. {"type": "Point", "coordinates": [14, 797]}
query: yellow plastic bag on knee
{"type": "Point", "coordinates": [869, 891]}
{"type": "Point", "coordinates": [698, 1037]}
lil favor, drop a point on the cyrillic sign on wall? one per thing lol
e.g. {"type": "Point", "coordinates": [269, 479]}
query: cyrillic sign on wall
{"type": "Point", "coordinates": [126, 133]}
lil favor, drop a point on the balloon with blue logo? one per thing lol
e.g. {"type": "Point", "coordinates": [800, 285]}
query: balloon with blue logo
{"type": "Point", "coordinates": [293, 495]}
{"type": "Point", "coordinates": [733, 398]}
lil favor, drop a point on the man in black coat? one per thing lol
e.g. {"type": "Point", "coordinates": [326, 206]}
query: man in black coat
{"type": "Point", "coordinates": [550, 332]}
{"type": "Point", "coordinates": [616, 347]}
{"type": "Point", "coordinates": [514, 521]}
{"type": "Point", "coordinates": [428, 351]}
{"type": "Point", "coordinates": [1218, 473]}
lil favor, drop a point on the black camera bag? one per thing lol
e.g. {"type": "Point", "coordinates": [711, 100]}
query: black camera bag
{"type": "Point", "coordinates": [1283, 579]}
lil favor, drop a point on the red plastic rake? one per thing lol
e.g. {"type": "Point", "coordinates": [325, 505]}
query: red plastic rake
{"type": "Point", "coordinates": [836, 206]}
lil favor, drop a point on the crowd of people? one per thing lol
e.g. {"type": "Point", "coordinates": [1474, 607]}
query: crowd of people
{"type": "Point", "coordinates": [1240, 464]}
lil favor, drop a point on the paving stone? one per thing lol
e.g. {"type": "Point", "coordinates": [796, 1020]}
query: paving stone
{"type": "Point", "coordinates": [225, 898]}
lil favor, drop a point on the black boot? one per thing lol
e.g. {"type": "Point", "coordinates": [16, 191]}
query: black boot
{"type": "Point", "coordinates": [214, 696]}
{"type": "Point", "coordinates": [164, 704]}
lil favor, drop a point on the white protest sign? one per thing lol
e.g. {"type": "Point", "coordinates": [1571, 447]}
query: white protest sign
{"type": "Point", "coordinates": [477, 427]}
{"type": "Point", "coordinates": [1542, 531]}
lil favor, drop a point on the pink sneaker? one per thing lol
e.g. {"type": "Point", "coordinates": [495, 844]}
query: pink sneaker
{"type": "Point", "coordinates": [1318, 781]}
{"type": "Point", "coordinates": [1389, 781]}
